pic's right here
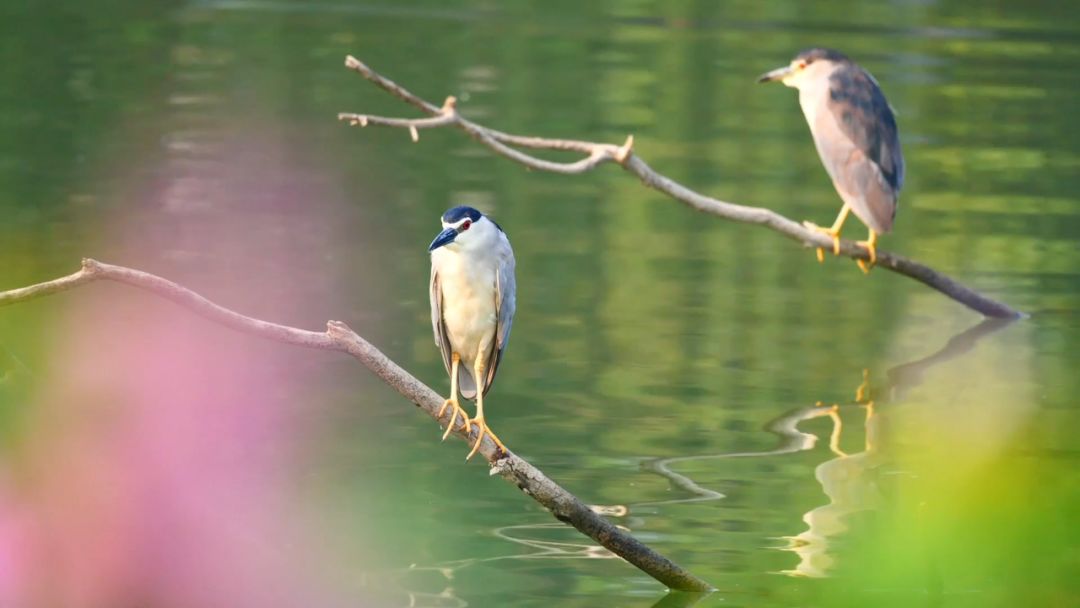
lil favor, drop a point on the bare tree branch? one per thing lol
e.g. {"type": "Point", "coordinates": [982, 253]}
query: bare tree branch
{"type": "Point", "coordinates": [596, 154]}
{"type": "Point", "coordinates": [339, 337]}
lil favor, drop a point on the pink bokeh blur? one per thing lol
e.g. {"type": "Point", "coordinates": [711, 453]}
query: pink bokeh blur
{"type": "Point", "coordinates": [163, 453]}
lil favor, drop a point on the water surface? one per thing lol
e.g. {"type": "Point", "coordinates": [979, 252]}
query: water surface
{"type": "Point", "coordinates": [703, 375]}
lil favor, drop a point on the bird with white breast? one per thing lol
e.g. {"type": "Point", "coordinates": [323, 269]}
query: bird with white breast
{"type": "Point", "coordinates": [472, 293]}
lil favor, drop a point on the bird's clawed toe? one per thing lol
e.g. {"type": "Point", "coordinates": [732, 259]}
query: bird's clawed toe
{"type": "Point", "coordinates": [870, 245]}
{"type": "Point", "coordinates": [484, 430]}
{"type": "Point", "coordinates": [831, 233]}
{"type": "Point", "coordinates": [455, 412]}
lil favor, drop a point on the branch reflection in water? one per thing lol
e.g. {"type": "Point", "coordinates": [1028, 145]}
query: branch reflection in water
{"type": "Point", "coordinates": [536, 537]}
{"type": "Point", "coordinates": [849, 481]}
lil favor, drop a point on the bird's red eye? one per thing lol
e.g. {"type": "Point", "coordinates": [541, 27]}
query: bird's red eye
{"type": "Point", "coordinates": [465, 225]}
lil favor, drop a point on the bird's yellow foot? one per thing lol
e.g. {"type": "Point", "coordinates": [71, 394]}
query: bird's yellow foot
{"type": "Point", "coordinates": [832, 233]}
{"type": "Point", "coordinates": [871, 248]}
{"type": "Point", "coordinates": [484, 430]}
{"type": "Point", "coordinates": [458, 410]}
{"type": "Point", "coordinates": [862, 393]}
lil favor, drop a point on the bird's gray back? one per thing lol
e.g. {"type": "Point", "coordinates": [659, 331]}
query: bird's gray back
{"type": "Point", "coordinates": [856, 136]}
{"type": "Point", "coordinates": [865, 117]}
{"type": "Point", "coordinates": [438, 325]}
{"type": "Point", "coordinates": [506, 305]}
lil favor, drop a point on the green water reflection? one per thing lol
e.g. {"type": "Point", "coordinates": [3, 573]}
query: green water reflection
{"type": "Point", "coordinates": [663, 363]}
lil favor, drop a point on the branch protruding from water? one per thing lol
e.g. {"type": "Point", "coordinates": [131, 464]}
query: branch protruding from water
{"type": "Point", "coordinates": [339, 337]}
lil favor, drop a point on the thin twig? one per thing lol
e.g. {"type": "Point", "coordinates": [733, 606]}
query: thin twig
{"type": "Point", "coordinates": [596, 154]}
{"type": "Point", "coordinates": [339, 337]}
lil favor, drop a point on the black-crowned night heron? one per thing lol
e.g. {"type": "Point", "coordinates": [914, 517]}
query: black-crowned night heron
{"type": "Point", "coordinates": [472, 309]}
{"type": "Point", "coordinates": [855, 134]}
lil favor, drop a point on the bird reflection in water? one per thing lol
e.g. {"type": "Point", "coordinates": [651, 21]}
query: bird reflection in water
{"type": "Point", "coordinates": [849, 481]}
{"type": "Point", "coordinates": [852, 482]}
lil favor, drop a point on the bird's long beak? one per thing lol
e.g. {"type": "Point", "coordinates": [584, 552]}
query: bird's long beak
{"type": "Point", "coordinates": [446, 236]}
{"type": "Point", "coordinates": [777, 74]}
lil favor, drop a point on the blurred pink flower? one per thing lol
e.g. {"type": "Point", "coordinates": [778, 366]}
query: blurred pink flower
{"type": "Point", "coordinates": [162, 453]}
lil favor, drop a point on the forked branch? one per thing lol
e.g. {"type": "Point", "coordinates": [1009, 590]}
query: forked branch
{"type": "Point", "coordinates": [338, 337]}
{"type": "Point", "coordinates": [595, 154]}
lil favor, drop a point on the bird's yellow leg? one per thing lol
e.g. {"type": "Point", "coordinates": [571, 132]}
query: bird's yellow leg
{"type": "Point", "coordinates": [837, 431]}
{"type": "Point", "coordinates": [833, 231]}
{"type": "Point", "coordinates": [871, 248]}
{"type": "Point", "coordinates": [862, 393]}
{"type": "Point", "coordinates": [869, 416]}
{"type": "Point", "coordinates": [478, 369]}
{"type": "Point", "coordinates": [455, 361]}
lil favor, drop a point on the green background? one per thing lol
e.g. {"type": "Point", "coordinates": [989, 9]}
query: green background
{"type": "Point", "coordinates": [198, 141]}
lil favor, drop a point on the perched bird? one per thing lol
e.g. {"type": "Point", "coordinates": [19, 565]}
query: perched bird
{"type": "Point", "coordinates": [855, 134]}
{"type": "Point", "coordinates": [472, 309]}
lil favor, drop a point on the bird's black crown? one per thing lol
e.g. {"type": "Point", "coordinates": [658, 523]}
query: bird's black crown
{"type": "Point", "coordinates": [810, 55]}
{"type": "Point", "coordinates": [452, 216]}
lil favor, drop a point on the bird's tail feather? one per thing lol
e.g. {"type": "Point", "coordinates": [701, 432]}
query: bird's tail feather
{"type": "Point", "coordinates": [466, 384]}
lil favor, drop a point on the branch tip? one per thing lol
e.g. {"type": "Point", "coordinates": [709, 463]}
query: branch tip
{"type": "Point", "coordinates": [338, 329]}
{"type": "Point", "coordinates": [625, 150]}
{"type": "Point", "coordinates": [90, 265]}
{"type": "Point", "coordinates": [352, 62]}
{"type": "Point", "coordinates": [414, 133]}
{"type": "Point", "coordinates": [449, 105]}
